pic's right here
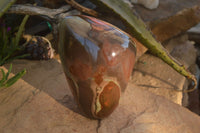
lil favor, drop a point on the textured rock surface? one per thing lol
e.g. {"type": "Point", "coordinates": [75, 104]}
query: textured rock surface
{"type": "Point", "coordinates": [153, 74]}
{"type": "Point", "coordinates": [165, 9]}
{"type": "Point", "coordinates": [171, 17]}
{"type": "Point", "coordinates": [170, 27]}
{"type": "Point", "coordinates": [24, 108]}
{"type": "Point", "coordinates": [194, 33]}
{"type": "Point", "coordinates": [142, 112]}
{"type": "Point", "coordinates": [41, 102]}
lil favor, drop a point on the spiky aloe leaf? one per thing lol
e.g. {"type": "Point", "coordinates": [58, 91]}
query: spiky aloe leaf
{"type": "Point", "coordinates": [139, 31]}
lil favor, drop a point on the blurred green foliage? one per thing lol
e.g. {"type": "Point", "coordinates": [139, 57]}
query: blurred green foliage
{"type": "Point", "coordinates": [5, 82]}
{"type": "Point", "coordinates": [9, 45]}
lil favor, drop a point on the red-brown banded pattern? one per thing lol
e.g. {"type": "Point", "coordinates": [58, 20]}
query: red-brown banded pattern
{"type": "Point", "coordinates": [97, 59]}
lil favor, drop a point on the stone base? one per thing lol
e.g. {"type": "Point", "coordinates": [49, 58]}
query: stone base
{"type": "Point", "coordinates": [41, 102]}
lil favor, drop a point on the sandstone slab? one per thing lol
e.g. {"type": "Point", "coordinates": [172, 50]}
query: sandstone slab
{"type": "Point", "coordinates": [41, 102]}
{"type": "Point", "coordinates": [153, 74]}
{"type": "Point", "coordinates": [171, 17]}
{"type": "Point", "coordinates": [24, 108]}
{"type": "Point", "coordinates": [165, 9]}
{"type": "Point", "coordinates": [194, 33]}
{"type": "Point", "coordinates": [143, 112]}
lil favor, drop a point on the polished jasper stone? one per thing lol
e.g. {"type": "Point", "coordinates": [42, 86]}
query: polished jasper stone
{"type": "Point", "coordinates": [98, 59]}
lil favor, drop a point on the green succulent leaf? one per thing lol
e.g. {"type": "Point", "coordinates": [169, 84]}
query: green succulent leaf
{"type": "Point", "coordinates": [5, 82]}
{"type": "Point", "coordinates": [21, 28]}
{"type": "Point", "coordinates": [9, 45]}
{"type": "Point", "coordinates": [9, 71]}
{"type": "Point", "coordinates": [14, 79]}
{"type": "Point", "coordinates": [5, 5]}
{"type": "Point", "coordinates": [3, 78]}
{"type": "Point", "coordinates": [138, 30]}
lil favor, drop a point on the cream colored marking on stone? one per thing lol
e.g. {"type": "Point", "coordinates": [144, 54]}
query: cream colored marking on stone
{"type": "Point", "coordinates": [97, 107]}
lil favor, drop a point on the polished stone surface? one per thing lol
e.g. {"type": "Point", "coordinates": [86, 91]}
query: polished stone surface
{"type": "Point", "coordinates": [98, 60]}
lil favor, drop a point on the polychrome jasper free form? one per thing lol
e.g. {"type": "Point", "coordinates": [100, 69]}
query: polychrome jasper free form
{"type": "Point", "coordinates": [97, 59]}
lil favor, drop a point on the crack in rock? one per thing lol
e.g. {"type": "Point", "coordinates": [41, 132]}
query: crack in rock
{"type": "Point", "coordinates": [131, 118]}
{"type": "Point", "coordinates": [98, 126]}
{"type": "Point", "coordinates": [14, 111]}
